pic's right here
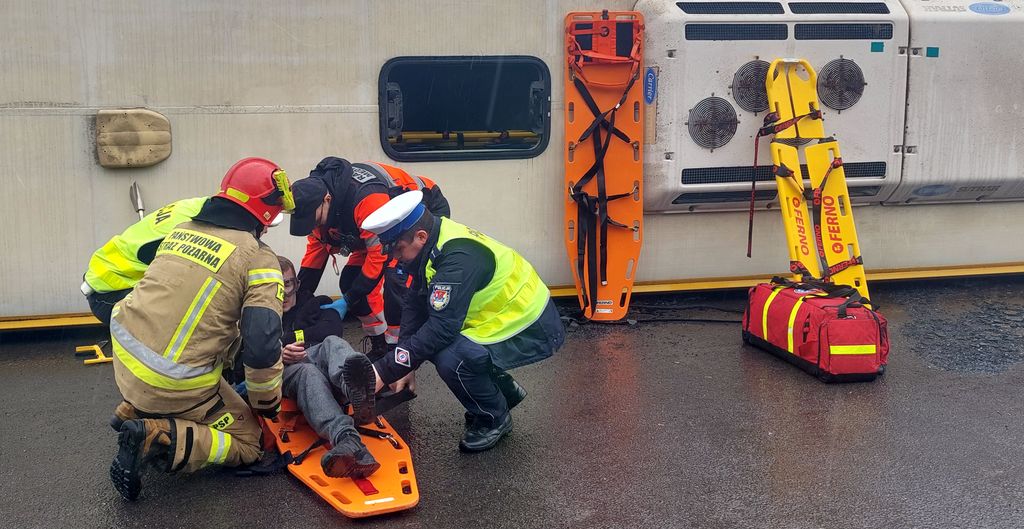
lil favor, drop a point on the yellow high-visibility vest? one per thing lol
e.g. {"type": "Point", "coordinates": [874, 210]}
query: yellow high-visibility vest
{"type": "Point", "coordinates": [514, 298]}
{"type": "Point", "coordinates": [116, 266]}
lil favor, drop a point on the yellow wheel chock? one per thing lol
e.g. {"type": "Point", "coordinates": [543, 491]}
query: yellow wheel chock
{"type": "Point", "coordinates": [96, 349]}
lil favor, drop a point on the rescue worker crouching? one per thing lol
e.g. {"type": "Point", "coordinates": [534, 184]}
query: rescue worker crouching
{"type": "Point", "coordinates": [211, 284]}
{"type": "Point", "coordinates": [320, 367]}
{"type": "Point", "coordinates": [116, 267]}
{"type": "Point", "coordinates": [476, 309]}
{"type": "Point", "coordinates": [330, 206]}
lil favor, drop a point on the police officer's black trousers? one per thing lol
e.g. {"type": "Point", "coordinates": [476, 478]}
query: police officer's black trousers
{"type": "Point", "coordinates": [102, 303]}
{"type": "Point", "coordinates": [466, 368]}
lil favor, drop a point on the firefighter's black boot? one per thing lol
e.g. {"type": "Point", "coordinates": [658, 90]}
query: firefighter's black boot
{"type": "Point", "coordinates": [141, 442]}
{"type": "Point", "coordinates": [123, 412]}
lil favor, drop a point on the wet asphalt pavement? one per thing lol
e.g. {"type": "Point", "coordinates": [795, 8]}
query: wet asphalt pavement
{"type": "Point", "coordinates": [658, 424]}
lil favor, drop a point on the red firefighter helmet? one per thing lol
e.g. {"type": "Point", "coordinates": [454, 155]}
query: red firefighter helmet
{"type": "Point", "coordinates": [259, 186]}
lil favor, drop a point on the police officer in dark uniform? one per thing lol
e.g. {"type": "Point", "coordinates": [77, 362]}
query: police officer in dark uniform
{"type": "Point", "coordinates": [476, 309]}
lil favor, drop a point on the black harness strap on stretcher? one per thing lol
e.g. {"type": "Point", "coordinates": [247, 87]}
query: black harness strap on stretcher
{"type": "Point", "coordinates": [591, 210]}
{"type": "Point", "coordinates": [377, 434]}
{"type": "Point", "coordinates": [266, 465]}
{"type": "Point", "coordinates": [297, 460]}
{"type": "Point", "coordinates": [277, 463]}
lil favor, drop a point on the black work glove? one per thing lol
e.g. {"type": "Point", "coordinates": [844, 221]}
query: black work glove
{"type": "Point", "coordinates": [309, 313]}
{"type": "Point", "coordinates": [269, 413]}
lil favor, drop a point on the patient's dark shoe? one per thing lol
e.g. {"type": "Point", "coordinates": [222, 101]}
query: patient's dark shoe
{"type": "Point", "coordinates": [360, 381]}
{"type": "Point", "coordinates": [375, 347]}
{"type": "Point", "coordinates": [349, 459]}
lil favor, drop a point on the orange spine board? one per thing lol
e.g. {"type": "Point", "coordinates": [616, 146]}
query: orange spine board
{"type": "Point", "coordinates": [394, 482]}
{"type": "Point", "coordinates": [597, 57]}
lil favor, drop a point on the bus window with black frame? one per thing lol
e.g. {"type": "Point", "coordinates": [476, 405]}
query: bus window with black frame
{"type": "Point", "coordinates": [464, 108]}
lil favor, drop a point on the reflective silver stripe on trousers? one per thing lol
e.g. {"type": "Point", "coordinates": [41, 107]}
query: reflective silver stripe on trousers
{"type": "Point", "coordinates": [221, 441]}
{"type": "Point", "coordinates": [198, 306]}
{"type": "Point", "coordinates": [264, 386]}
{"type": "Point", "coordinates": [150, 358]}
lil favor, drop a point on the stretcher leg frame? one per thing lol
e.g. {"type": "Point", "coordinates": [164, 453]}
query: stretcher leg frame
{"type": "Point", "coordinates": [795, 217]}
{"type": "Point", "coordinates": [838, 233]}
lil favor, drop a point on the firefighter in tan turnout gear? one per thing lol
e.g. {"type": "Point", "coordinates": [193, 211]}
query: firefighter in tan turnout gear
{"type": "Point", "coordinates": [211, 285]}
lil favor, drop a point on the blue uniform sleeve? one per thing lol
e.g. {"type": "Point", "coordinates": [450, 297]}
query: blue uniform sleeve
{"type": "Point", "coordinates": [463, 268]}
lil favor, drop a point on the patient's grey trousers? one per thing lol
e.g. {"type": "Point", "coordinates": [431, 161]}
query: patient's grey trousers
{"type": "Point", "coordinates": [318, 388]}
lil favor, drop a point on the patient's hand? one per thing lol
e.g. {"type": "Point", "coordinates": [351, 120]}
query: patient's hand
{"type": "Point", "coordinates": [293, 352]}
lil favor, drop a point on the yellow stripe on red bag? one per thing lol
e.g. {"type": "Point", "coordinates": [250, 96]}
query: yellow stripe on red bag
{"type": "Point", "coordinates": [853, 349]}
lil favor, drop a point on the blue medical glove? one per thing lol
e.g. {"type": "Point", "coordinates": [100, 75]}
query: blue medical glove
{"type": "Point", "coordinates": [341, 306]}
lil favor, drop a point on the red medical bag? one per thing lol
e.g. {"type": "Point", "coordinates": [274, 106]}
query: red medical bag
{"type": "Point", "coordinates": [825, 329]}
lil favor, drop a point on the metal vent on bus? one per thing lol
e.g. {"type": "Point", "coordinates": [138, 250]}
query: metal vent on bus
{"type": "Point", "coordinates": [712, 123]}
{"type": "Point", "coordinates": [731, 8]}
{"type": "Point", "coordinates": [736, 31]}
{"type": "Point", "coordinates": [763, 173]}
{"type": "Point", "coordinates": [838, 8]}
{"type": "Point", "coordinates": [748, 86]}
{"type": "Point", "coordinates": [723, 196]}
{"type": "Point", "coordinates": [840, 84]}
{"type": "Point", "coordinates": [833, 31]}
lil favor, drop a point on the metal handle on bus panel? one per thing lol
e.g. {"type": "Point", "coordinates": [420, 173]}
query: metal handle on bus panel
{"type": "Point", "coordinates": [135, 195]}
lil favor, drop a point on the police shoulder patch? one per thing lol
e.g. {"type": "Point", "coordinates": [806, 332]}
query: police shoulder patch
{"type": "Point", "coordinates": [402, 357]}
{"type": "Point", "coordinates": [440, 296]}
{"type": "Point", "coordinates": [362, 175]}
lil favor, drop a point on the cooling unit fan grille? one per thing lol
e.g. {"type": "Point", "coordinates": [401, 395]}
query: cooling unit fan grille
{"type": "Point", "coordinates": [840, 84]}
{"type": "Point", "coordinates": [712, 122]}
{"type": "Point", "coordinates": [748, 86]}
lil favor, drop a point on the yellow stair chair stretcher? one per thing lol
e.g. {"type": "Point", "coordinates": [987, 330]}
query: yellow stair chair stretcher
{"type": "Point", "coordinates": [794, 115]}
{"type": "Point", "coordinates": [791, 85]}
